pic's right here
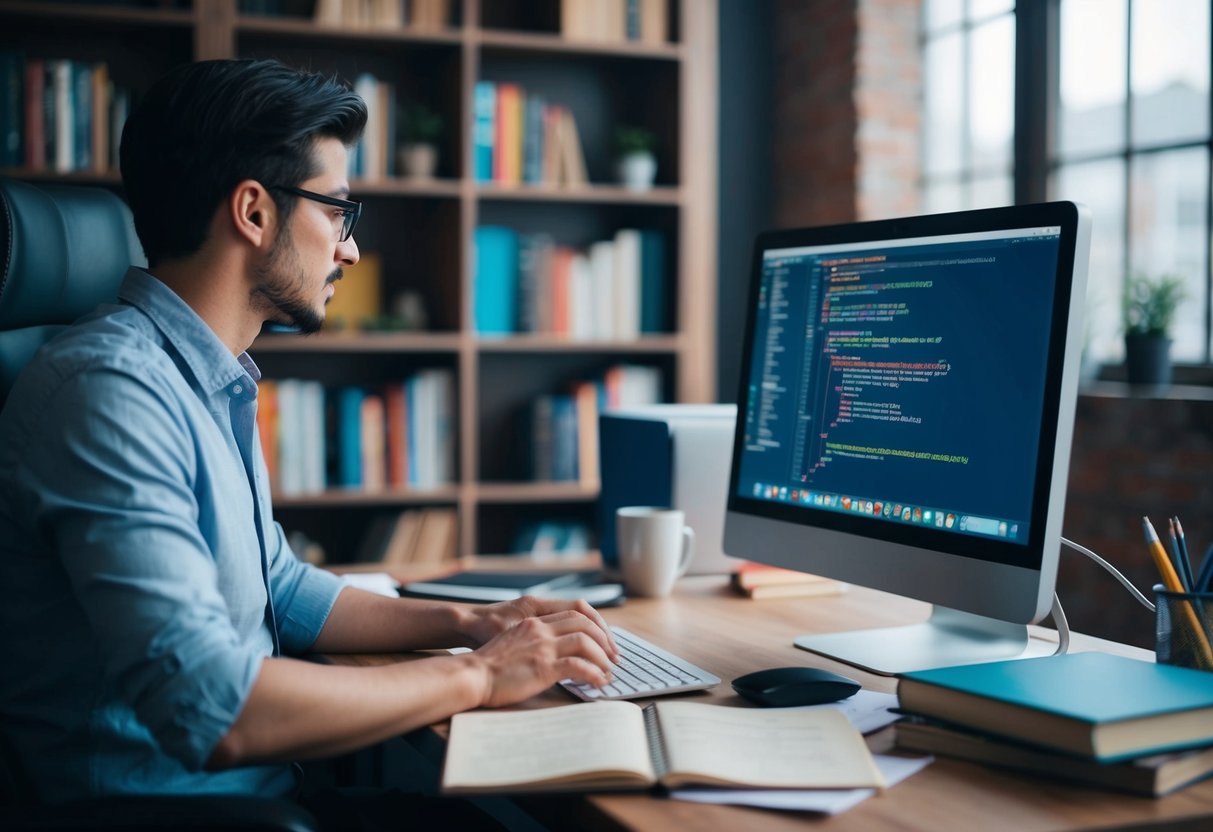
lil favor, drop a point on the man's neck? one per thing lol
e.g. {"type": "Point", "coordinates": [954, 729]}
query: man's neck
{"type": "Point", "coordinates": [216, 291]}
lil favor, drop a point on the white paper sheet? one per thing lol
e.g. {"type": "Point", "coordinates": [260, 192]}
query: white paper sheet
{"type": "Point", "coordinates": [380, 583]}
{"type": "Point", "coordinates": [825, 801]}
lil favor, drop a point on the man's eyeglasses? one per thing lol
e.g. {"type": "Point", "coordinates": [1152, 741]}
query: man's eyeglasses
{"type": "Point", "coordinates": [350, 210]}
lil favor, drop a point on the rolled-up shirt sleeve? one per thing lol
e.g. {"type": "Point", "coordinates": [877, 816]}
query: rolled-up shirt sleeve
{"type": "Point", "coordinates": [303, 595]}
{"type": "Point", "coordinates": [114, 499]}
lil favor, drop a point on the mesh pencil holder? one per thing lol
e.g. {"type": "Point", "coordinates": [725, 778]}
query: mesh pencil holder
{"type": "Point", "coordinates": [1183, 632]}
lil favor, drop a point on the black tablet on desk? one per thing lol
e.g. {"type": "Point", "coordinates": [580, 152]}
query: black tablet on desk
{"type": "Point", "coordinates": [487, 587]}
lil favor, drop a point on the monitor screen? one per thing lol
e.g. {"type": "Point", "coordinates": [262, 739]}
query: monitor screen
{"type": "Point", "coordinates": [907, 401]}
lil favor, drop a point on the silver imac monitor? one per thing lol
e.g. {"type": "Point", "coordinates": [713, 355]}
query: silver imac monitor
{"type": "Point", "coordinates": [904, 420]}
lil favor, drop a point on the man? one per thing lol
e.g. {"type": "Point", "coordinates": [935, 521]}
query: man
{"type": "Point", "coordinates": [151, 600]}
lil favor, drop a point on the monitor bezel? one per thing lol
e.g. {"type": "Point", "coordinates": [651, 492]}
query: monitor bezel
{"type": "Point", "coordinates": [1030, 555]}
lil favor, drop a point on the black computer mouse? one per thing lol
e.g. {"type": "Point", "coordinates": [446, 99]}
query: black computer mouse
{"type": "Point", "coordinates": [782, 687]}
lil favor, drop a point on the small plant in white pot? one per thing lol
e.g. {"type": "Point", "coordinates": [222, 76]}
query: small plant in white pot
{"type": "Point", "coordinates": [420, 130]}
{"type": "Point", "coordinates": [1149, 307]}
{"type": "Point", "coordinates": [636, 164]}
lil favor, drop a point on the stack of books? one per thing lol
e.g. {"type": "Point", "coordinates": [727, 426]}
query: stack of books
{"type": "Point", "coordinates": [757, 580]}
{"type": "Point", "coordinates": [1093, 718]}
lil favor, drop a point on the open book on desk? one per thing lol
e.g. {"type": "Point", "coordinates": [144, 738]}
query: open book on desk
{"type": "Point", "coordinates": [619, 745]}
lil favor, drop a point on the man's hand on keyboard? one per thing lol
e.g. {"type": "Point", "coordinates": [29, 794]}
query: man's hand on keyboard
{"type": "Point", "coordinates": [482, 623]}
{"type": "Point", "coordinates": [540, 650]}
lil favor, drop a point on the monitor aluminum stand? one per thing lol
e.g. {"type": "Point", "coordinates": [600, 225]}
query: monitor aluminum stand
{"type": "Point", "coordinates": [948, 637]}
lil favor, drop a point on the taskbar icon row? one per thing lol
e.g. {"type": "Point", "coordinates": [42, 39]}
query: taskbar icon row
{"type": "Point", "coordinates": [889, 510]}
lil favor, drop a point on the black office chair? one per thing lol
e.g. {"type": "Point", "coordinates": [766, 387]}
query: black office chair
{"type": "Point", "coordinates": [64, 250]}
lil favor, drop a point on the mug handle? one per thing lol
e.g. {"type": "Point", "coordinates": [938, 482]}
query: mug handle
{"type": "Point", "coordinates": [688, 547]}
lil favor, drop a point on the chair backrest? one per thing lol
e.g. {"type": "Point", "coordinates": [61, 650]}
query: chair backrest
{"type": "Point", "coordinates": [63, 251]}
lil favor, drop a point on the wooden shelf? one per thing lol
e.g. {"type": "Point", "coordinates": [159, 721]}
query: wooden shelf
{"type": "Point", "coordinates": [542, 42]}
{"type": "Point", "coordinates": [424, 230]}
{"type": "Point", "coordinates": [556, 343]}
{"type": "Point", "coordinates": [88, 13]}
{"type": "Point", "coordinates": [338, 498]}
{"type": "Point", "coordinates": [534, 492]}
{"type": "Point", "coordinates": [75, 177]}
{"type": "Point", "coordinates": [304, 28]}
{"type": "Point", "coordinates": [605, 194]}
{"type": "Point", "coordinates": [360, 342]}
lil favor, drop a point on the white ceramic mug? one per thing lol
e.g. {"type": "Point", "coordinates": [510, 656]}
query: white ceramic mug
{"type": "Point", "coordinates": [654, 546]}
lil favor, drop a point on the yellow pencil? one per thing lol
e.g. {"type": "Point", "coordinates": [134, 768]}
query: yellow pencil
{"type": "Point", "coordinates": [1171, 581]}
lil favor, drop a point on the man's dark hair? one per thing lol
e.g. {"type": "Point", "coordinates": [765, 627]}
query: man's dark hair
{"type": "Point", "coordinates": [206, 126]}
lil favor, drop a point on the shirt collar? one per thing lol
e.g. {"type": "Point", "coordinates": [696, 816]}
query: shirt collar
{"type": "Point", "coordinates": [199, 347]}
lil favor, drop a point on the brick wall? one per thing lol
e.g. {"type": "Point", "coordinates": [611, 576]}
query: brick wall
{"type": "Point", "coordinates": [814, 155]}
{"type": "Point", "coordinates": [847, 101]}
{"type": "Point", "coordinates": [1132, 456]}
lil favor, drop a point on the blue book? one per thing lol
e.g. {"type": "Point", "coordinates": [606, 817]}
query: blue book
{"type": "Point", "coordinates": [349, 437]}
{"type": "Point", "coordinates": [1093, 705]}
{"type": "Point", "coordinates": [82, 115]}
{"type": "Point", "coordinates": [484, 107]}
{"type": "Point", "coordinates": [495, 293]}
{"type": "Point", "coordinates": [652, 282]}
{"type": "Point", "coordinates": [532, 139]}
{"type": "Point", "coordinates": [12, 108]}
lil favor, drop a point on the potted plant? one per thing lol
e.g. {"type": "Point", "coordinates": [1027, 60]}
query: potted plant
{"type": "Point", "coordinates": [636, 164]}
{"type": "Point", "coordinates": [1149, 306]}
{"type": "Point", "coordinates": [420, 130]}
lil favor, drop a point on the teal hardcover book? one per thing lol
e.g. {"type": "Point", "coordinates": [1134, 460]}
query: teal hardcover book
{"type": "Point", "coordinates": [1093, 704]}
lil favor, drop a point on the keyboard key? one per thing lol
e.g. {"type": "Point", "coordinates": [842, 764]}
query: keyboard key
{"type": "Point", "coordinates": [645, 669]}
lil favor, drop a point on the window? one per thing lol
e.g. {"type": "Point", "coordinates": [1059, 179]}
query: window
{"type": "Point", "coordinates": [969, 98]}
{"type": "Point", "coordinates": [1122, 124]}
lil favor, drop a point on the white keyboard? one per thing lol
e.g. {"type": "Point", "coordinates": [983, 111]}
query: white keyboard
{"type": "Point", "coordinates": [644, 669]}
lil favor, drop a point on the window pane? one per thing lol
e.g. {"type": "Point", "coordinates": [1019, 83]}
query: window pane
{"type": "Point", "coordinates": [1093, 61]}
{"type": "Point", "coordinates": [1101, 187]}
{"type": "Point", "coordinates": [981, 9]}
{"type": "Point", "coordinates": [1170, 71]}
{"type": "Point", "coordinates": [940, 197]}
{"type": "Point", "coordinates": [991, 192]}
{"type": "Point", "coordinates": [992, 93]}
{"type": "Point", "coordinates": [1168, 233]}
{"type": "Point", "coordinates": [939, 13]}
{"type": "Point", "coordinates": [943, 112]}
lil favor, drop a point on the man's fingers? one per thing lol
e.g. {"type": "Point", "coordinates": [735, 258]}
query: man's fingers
{"type": "Point", "coordinates": [581, 671]}
{"type": "Point", "coordinates": [572, 621]}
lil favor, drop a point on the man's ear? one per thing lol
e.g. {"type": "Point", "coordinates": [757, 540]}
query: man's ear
{"type": "Point", "coordinates": [253, 212]}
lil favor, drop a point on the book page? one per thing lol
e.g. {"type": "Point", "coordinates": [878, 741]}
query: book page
{"type": "Point", "coordinates": [776, 748]}
{"type": "Point", "coordinates": [500, 749]}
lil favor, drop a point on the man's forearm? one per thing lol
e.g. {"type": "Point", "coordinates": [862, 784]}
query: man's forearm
{"type": "Point", "coordinates": [299, 710]}
{"type": "Point", "coordinates": [363, 622]}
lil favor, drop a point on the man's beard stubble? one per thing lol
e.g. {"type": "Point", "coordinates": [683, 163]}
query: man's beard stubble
{"type": "Point", "coordinates": [275, 290]}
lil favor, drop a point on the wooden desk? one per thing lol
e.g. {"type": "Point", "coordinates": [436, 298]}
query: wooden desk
{"type": "Point", "coordinates": [703, 621]}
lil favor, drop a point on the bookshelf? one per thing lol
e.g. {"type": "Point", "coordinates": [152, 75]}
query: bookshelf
{"type": "Point", "coordinates": [423, 230]}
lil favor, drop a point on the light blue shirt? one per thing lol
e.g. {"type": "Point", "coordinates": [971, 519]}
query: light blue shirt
{"type": "Point", "coordinates": [136, 544]}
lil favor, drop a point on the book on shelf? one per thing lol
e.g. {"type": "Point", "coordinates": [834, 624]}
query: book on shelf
{"type": "Point", "coordinates": [399, 434]}
{"type": "Point", "coordinates": [1095, 705]}
{"type": "Point", "coordinates": [551, 540]}
{"type": "Point", "coordinates": [614, 20]}
{"type": "Point", "coordinates": [1152, 776]}
{"type": "Point", "coordinates": [621, 745]}
{"type": "Point", "coordinates": [563, 427]}
{"type": "Point", "coordinates": [59, 114]}
{"type": "Point", "coordinates": [413, 536]}
{"type": "Point", "coordinates": [528, 283]}
{"type": "Point", "coordinates": [519, 136]}
{"type": "Point", "coordinates": [358, 301]}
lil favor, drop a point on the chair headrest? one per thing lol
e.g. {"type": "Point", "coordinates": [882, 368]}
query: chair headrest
{"type": "Point", "coordinates": [63, 251]}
